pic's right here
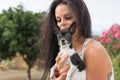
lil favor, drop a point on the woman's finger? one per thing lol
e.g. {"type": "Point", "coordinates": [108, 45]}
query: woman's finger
{"type": "Point", "coordinates": [62, 76]}
{"type": "Point", "coordinates": [58, 57]}
{"type": "Point", "coordinates": [64, 69]}
{"type": "Point", "coordinates": [62, 61]}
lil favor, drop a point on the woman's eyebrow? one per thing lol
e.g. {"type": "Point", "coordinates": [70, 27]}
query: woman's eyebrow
{"type": "Point", "coordinates": [68, 14]}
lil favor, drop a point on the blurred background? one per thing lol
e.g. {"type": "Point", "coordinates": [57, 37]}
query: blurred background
{"type": "Point", "coordinates": [20, 24]}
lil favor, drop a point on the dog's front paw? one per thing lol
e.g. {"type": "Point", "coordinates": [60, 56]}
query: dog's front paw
{"type": "Point", "coordinates": [51, 76]}
{"type": "Point", "coordinates": [51, 73]}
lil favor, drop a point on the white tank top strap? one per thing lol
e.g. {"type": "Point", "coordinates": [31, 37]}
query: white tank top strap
{"type": "Point", "coordinates": [112, 76]}
{"type": "Point", "coordinates": [81, 51]}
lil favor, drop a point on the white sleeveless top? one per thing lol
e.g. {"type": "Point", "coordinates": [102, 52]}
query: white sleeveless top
{"type": "Point", "coordinates": [82, 75]}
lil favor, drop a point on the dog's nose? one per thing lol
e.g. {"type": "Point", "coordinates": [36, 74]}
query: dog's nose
{"type": "Point", "coordinates": [62, 41]}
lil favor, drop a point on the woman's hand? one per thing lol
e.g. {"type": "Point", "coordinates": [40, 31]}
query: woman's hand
{"type": "Point", "coordinates": [61, 77]}
{"type": "Point", "coordinates": [61, 70]}
{"type": "Point", "coordinates": [60, 60]}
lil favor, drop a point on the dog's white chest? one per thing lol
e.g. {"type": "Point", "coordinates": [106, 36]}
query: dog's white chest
{"type": "Point", "coordinates": [76, 75]}
{"type": "Point", "coordinates": [67, 51]}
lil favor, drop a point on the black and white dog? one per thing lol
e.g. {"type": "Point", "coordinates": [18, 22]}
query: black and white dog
{"type": "Point", "coordinates": [77, 67]}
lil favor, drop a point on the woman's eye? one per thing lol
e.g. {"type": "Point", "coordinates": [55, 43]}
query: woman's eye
{"type": "Point", "coordinates": [58, 20]}
{"type": "Point", "coordinates": [68, 17]}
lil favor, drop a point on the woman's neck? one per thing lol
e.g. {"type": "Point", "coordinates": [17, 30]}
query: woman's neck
{"type": "Point", "coordinates": [78, 42]}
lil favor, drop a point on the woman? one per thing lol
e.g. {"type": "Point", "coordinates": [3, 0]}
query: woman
{"type": "Point", "coordinates": [62, 13]}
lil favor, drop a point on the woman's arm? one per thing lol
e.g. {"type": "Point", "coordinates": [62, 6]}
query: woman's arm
{"type": "Point", "coordinates": [97, 60]}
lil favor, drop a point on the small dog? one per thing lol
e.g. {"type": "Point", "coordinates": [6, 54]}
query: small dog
{"type": "Point", "coordinates": [77, 66]}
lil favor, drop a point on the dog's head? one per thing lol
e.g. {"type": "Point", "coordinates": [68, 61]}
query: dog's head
{"type": "Point", "coordinates": [64, 36]}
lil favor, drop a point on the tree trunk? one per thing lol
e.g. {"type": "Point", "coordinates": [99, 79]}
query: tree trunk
{"type": "Point", "coordinates": [29, 73]}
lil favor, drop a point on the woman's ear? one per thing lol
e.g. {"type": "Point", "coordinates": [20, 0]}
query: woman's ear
{"type": "Point", "coordinates": [72, 27]}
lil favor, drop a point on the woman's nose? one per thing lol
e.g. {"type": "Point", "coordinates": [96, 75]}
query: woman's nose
{"type": "Point", "coordinates": [63, 23]}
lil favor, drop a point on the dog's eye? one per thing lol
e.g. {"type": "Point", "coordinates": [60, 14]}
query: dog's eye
{"type": "Point", "coordinates": [68, 36]}
{"type": "Point", "coordinates": [59, 36]}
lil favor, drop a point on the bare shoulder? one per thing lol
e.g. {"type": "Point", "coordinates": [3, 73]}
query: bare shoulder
{"type": "Point", "coordinates": [97, 59]}
{"type": "Point", "coordinates": [95, 49]}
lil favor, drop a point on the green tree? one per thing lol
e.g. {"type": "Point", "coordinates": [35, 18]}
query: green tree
{"type": "Point", "coordinates": [19, 32]}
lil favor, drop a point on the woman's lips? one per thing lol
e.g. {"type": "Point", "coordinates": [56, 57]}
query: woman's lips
{"type": "Point", "coordinates": [65, 28]}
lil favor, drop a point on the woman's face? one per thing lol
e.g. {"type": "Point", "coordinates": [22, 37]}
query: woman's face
{"type": "Point", "coordinates": [64, 16]}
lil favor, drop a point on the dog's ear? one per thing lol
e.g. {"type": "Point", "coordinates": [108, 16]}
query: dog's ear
{"type": "Point", "coordinates": [72, 27]}
{"type": "Point", "coordinates": [56, 29]}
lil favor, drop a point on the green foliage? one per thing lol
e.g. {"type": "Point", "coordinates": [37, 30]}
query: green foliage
{"type": "Point", "coordinates": [116, 64]}
{"type": "Point", "coordinates": [7, 32]}
{"type": "Point", "coordinates": [19, 32]}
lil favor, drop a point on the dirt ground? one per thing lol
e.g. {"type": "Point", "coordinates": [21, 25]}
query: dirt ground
{"type": "Point", "coordinates": [17, 75]}
{"type": "Point", "coordinates": [16, 69]}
